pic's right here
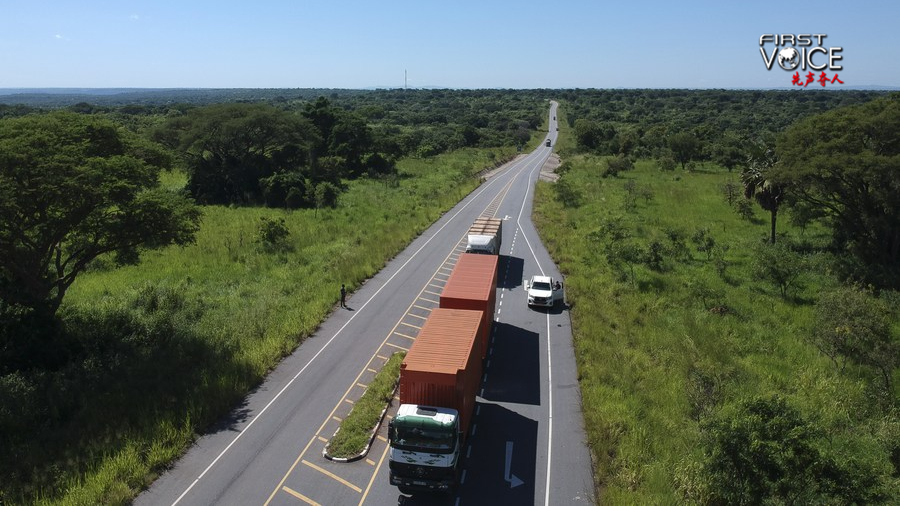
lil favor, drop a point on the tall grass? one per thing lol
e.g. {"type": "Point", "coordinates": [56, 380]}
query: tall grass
{"type": "Point", "coordinates": [166, 347]}
{"type": "Point", "coordinates": [662, 352]}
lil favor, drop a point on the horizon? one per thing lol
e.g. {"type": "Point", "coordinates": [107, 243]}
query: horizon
{"type": "Point", "coordinates": [350, 45]}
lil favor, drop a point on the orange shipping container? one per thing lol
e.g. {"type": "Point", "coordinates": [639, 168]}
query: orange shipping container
{"type": "Point", "coordinates": [443, 366]}
{"type": "Point", "coordinates": [473, 285]}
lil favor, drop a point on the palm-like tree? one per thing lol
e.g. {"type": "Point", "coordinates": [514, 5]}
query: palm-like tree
{"type": "Point", "coordinates": [758, 184]}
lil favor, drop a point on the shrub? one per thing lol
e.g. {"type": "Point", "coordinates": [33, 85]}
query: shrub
{"type": "Point", "coordinates": [780, 265]}
{"type": "Point", "coordinates": [273, 235]}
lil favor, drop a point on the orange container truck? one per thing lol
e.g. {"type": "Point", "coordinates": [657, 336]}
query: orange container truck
{"type": "Point", "coordinates": [439, 379]}
{"type": "Point", "coordinates": [473, 285]}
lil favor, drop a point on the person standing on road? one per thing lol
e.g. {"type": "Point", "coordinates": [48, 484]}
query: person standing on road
{"type": "Point", "coordinates": [343, 296]}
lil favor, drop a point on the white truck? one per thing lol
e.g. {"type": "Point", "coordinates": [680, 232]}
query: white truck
{"type": "Point", "coordinates": [543, 291]}
{"type": "Point", "coordinates": [484, 236]}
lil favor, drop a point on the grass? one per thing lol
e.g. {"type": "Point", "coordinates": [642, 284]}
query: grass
{"type": "Point", "coordinates": [655, 358]}
{"type": "Point", "coordinates": [355, 431]}
{"type": "Point", "coordinates": [170, 345]}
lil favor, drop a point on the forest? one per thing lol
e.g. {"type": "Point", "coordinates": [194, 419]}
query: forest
{"type": "Point", "coordinates": [135, 226]}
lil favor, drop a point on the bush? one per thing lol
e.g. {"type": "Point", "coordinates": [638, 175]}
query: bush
{"type": "Point", "coordinates": [780, 265]}
{"type": "Point", "coordinates": [273, 235]}
{"type": "Point", "coordinates": [852, 324]}
{"type": "Point", "coordinates": [766, 452]}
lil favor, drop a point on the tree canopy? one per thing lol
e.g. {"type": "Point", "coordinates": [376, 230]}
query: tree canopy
{"type": "Point", "coordinates": [73, 187]}
{"type": "Point", "coordinates": [845, 163]}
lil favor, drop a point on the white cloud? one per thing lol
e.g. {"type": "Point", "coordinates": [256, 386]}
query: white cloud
{"type": "Point", "coordinates": [135, 17]}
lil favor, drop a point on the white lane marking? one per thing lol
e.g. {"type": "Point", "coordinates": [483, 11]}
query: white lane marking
{"type": "Point", "coordinates": [510, 478]}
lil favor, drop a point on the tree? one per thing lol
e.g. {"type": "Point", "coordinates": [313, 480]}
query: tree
{"type": "Point", "coordinates": [230, 148]}
{"type": "Point", "coordinates": [685, 147]}
{"type": "Point", "coordinates": [780, 265]}
{"type": "Point", "coordinates": [852, 324]}
{"type": "Point", "coordinates": [758, 183]}
{"type": "Point", "coordinates": [764, 451]}
{"type": "Point", "coordinates": [845, 163]}
{"type": "Point", "coordinates": [72, 188]}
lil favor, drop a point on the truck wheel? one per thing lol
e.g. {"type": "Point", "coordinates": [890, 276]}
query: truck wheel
{"type": "Point", "coordinates": [405, 491]}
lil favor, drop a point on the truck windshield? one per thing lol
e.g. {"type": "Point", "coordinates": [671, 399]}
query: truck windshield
{"type": "Point", "coordinates": [418, 439]}
{"type": "Point", "coordinates": [541, 285]}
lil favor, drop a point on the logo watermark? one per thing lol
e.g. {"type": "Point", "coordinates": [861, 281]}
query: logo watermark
{"type": "Point", "coordinates": [802, 52]}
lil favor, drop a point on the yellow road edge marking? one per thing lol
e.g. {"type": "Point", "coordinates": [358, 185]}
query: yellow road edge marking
{"type": "Point", "coordinates": [432, 293]}
{"type": "Point", "coordinates": [291, 469]}
{"type": "Point", "coordinates": [411, 325]}
{"type": "Point", "coordinates": [417, 316]}
{"type": "Point", "coordinates": [404, 335]}
{"type": "Point", "coordinates": [397, 346]}
{"type": "Point", "coordinates": [370, 462]}
{"type": "Point", "coordinates": [361, 385]}
{"type": "Point", "coordinates": [322, 439]}
{"type": "Point", "coordinates": [382, 358]}
{"type": "Point", "coordinates": [348, 400]}
{"type": "Point", "coordinates": [332, 476]}
{"type": "Point", "coordinates": [335, 417]}
{"type": "Point", "coordinates": [382, 439]}
{"type": "Point", "coordinates": [300, 496]}
{"type": "Point", "coordinates": [372, 479]}
{"type": "Point", "coordinates": [372, 370]}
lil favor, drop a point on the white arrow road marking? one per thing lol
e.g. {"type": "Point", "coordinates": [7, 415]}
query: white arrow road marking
{"type": "Point", "coordinates": [510, 478]}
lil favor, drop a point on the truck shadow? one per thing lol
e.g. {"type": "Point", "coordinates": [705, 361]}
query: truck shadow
{"type": "Point", "coordinates": [514, 371]}
{"type": "Point", "coordinates": [509, 272]}
{"type": "Point", "coordinates": [501, 466]}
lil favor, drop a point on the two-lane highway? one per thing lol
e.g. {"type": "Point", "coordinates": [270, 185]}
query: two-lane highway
{"type": "Point", "coordinates": [527, 444]}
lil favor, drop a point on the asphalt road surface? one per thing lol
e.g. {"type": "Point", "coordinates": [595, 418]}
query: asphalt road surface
{"type": "Point", "coordinates": [527, 442]}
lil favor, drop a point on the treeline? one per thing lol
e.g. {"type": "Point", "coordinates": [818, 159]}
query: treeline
{"type": "Point", "coordinates": [284, 148]}
{"type": "Point", "coordinates": [721, 123]}
{"type": "Point", "coordinates": [828, 158]}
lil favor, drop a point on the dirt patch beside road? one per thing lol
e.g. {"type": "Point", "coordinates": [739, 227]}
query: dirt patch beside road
{"type": "Point", "coordinates": [548, 170]}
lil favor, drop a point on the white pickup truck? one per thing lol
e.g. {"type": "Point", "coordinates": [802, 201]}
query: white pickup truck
{"type": "Point", "coordinates": [543, 291]}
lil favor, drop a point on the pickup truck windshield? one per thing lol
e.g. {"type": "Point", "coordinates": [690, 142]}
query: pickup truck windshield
{"type": "Point", "coordinates": [541, 285]}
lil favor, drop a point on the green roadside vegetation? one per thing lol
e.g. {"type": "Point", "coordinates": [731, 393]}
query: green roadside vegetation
{"type": "Point", "coordinates": [701, 376]}
{"type": "Point", "coordinates": [173, 343]}
{"type": "Point", "coordinates": [356, 429]}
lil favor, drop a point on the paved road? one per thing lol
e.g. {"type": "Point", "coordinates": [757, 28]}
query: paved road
{"type": "Point", "coordinates": [527, 444]}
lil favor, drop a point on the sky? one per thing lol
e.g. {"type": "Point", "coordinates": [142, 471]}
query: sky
{"type": "Point", "coordinates": [451, 44]}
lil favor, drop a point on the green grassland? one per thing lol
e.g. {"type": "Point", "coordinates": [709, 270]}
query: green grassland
{"type": "Point", "coordinates": [175, 342]}
{"type": "Point", "coordinates": [661, 350]}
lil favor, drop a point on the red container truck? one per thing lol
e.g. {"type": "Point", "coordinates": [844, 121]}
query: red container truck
{"type": "Point", "coordinates": [439, 379]}
{"type": "Point", "coordinates": [473, 285]}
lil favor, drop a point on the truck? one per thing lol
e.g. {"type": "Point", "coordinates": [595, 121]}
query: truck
{"type": "Point", "coordinates": [439, 379]}
{"type": "Point", "coordinates": [473, 285]}
{"type": "Point", "coordinates": [484, 236]}
{"type": "Point", "coordinates": [543, 291]}
{"type": "Point", "coordinates": [548, 143]}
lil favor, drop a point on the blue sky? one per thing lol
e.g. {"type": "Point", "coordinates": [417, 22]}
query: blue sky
{"type": "Point", "coordinates": [455, 44]}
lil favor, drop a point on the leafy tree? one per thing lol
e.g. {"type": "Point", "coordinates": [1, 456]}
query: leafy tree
{"type": "Point", "coordinates": [845, 163]}
{"type": "Point", "coordinates": [618, 164]}
{"type": "Point", "coordinates": [758, 183]}
{"type": "Point", "coordinates": [72, 188]}
{"type": "Point", "coordinates": [230, 148]}
{"type": "Point", "coordinates": [704, 241]}
{"type": "Point", "coordinates": [852, 324]}
{"type": "Point", "coordinates": [764, 452]}
{"type": "Point", "coordinates": [666, 163]}
{"type": "Point", "coordinates": [273, 234]}
{"type": "Point", "coordinates": [780, 265]}
{"type": "Point", "coordinates": [685, 147]}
